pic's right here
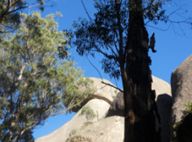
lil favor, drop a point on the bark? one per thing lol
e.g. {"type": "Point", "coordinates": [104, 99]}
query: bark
{"type": "Point", "coordinates": [136, 77]}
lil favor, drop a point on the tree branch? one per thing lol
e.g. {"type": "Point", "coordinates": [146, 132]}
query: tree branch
{"type": "Point", "coordinates": [112, 86]}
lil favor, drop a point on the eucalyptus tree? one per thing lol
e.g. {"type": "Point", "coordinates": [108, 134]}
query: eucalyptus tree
{"type": "Point", "coordinates": [34, 81]}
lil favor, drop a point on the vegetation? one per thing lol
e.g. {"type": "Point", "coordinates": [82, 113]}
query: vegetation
{"type": "Point", "coordinates": [188, 107]}
{"type": "Point", "coordinates": [79, 138]}
{"type": "Point", "coordinates": [38, 80]}
{"type": "Point", "coordinates": [118, 33]}
{"type": "Point", "coordinates": [88, 112]}
{"type": "Point", "coordinates": [10, 12]}
{"type": "Point", "coordinates": [34, 82]}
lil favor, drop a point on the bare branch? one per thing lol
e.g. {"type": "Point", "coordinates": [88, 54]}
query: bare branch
{"type": "Point", "coordinates": [112, 86]}
{"type": "Point", "coordinates": [21, 72]}
{"type": "Point", "coordinates": [86, 11]}
{"type": "Point", "coordinates": [94, 67]}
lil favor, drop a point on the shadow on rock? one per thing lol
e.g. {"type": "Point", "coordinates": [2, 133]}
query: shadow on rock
{"type": "Point", "coordinates": [164, 105]}
{"type": "Point", "coordinates": [184, 130]}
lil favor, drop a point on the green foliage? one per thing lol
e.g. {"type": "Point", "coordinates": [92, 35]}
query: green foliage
{"type": "Point", "coordinates": [106, 33]}
{"type": "Point", "coordinates": [88, 112]}
{"type": "Point", "coordinates": [10, 12]}
{"type": "Point", "coordinates": [34, 81]}
{"type": "Point", "coordinates": [9, 16]}
{"type": "Point", "coordinates": [154, 11]}
{"type": "Point", "coordinates": [101, 34]}
{"type": "Point", "coordinates": [77, 89]}
{"type": "Point", "coordinates": [188, 107]}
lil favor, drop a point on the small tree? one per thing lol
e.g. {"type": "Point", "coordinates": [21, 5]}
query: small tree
{"type": "Point", "coordinates": [34, 81]}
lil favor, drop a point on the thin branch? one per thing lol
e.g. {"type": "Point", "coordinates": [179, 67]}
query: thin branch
{"type": "Point", "coordinates": [21, 72]}
{"type": "Point", "coordinates": [17, 9]}
{"type": "Point", "coordinates": [104, 53]}
{"type": "Point", "coordinates": [112, 86]}
{"type": "Point", "coordinates": [185, 21]}
{"type": "Point", "coordinates": [86, 11]}
{"type": "Point", "coordinates": [94, 67]}
{"type": "Point", "coordinates": [113, 52]}
{"type": "Point", "coordinates": [160, 29]}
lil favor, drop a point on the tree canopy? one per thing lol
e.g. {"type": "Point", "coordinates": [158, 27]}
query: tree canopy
{"type": "Point", "coordinates": [106, 32]}
{"type": "Point", "coordinates": [117, 32]}
{"type": "Point", "coordinates": [10, 12]}
{"type": "Point", "coordinates": [34, 82]}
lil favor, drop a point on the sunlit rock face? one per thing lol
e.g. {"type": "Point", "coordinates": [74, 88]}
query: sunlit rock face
{"type": "Point", "coordinates": [92, 123]}
{"type": "Point", "coordinates": [94, 110]}
{"type": "Point", "coordinates": [181, 82]}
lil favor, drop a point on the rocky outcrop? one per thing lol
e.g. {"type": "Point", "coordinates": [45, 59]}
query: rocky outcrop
{"type": "Point", "coordinates": [160, 86]}
{"type": "Point", "coordinates": [109, 129]}
{"type": "Point", "coordinates": [164, 105]}
{"type": "Point", "coordinates": [181, 83]}
{"type": "Point", "coordinates": [103, 89]}
{"type": "Point", "coordinates": [184, 130]}
{"type": "Point", "coordinates": [92, 124]}
{"type": "Point", "coordinates": [95, 109]}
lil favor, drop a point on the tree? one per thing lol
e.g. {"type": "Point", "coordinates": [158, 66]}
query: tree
{"type": "Point", "coordinates": [118, 33]}
{"type": "Point", "coordinates": [9, 12]}
{"type": "Point", "coordinates": [34, 82]}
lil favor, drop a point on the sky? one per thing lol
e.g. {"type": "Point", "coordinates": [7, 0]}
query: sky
{"type": "Point", "coordinates": [173, 44]}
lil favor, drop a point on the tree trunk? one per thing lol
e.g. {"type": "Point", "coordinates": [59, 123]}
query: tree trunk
{"type": "Point", "coordinates": [138, 95]}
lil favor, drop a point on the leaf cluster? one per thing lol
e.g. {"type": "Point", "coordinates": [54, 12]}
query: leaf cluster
{"type": "Point", "coordinates": [106, 32]}
{"type": "Point", "coordinates": [101, 34]}
{"type": "Point", "coordinates": [10, 12]}
{"type": "Point", "coordinates": [154, 11]}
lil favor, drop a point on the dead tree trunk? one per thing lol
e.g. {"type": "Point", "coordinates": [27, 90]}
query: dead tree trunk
{"type": "Point", "coordinates": [137, 80]}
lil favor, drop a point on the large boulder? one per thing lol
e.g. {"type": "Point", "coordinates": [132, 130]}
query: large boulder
{"type": "Point", "coordinates": [91, 123]}
{"type": "Point", "coordinates": [160, 86]}
{"type": "Point", "coordinates": [110, 129]}
{"type": "Point", "coordinates": [164, 105]}
{"type": "Point", "coordinates": [103, 89]}
{"type": "Point", "coordinates": [95, 109]}
{"type": "Point", "coordinates": [181, 83]}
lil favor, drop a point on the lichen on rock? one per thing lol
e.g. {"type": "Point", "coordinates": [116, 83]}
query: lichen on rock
{"type": "Point", "coordinates": [78, 138]}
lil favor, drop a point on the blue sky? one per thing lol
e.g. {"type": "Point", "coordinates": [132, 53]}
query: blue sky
{"type": "Point", "coordinates": [173, 46]}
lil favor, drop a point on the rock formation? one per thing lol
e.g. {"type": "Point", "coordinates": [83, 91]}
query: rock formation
{"type": "Point", "coordinates": [93, 124]}
{"type": "Point", "coordinates": [95, 109]}
{"type": "Point", "coordinates": [181, 83]}
{"type": "Point", "coordinates": [184, 129]}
